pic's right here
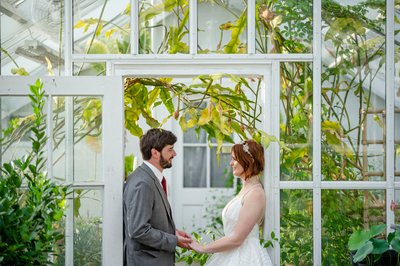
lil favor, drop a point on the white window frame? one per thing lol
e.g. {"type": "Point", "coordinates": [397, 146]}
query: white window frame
{"type": "Point", "coordinates": [178, 64]}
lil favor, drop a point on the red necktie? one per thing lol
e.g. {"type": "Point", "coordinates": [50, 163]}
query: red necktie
{"type": "Point", "coordinates": [164, 185]}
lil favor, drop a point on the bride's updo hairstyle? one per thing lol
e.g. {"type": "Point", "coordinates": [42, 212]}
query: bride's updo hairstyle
{"type": "Point", "coordinates": [250, 155]}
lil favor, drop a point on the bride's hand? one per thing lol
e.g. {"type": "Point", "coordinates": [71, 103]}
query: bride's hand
{"type": "Point", "coordinates": [197, 247]}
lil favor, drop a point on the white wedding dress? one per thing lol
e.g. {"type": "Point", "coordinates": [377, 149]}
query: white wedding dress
{"type": "Point", "coordinates": [250, 253]}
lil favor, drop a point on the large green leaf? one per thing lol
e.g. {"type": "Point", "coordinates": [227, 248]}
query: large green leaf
{"type": "Point", "coordinates": [363, 251]}
{"type": "Point", "coordinates": [395, 244]}
{"type": "Point", "coordinates": [376, 230]}
{"type": "Point", "coordinates": [358, 239]}
{"type": "Point", "coordinates": [380, 245]}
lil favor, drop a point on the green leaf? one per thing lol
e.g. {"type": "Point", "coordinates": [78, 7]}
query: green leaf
{"type": "Point", "coordinates": [358, 239]}
{"type": "Point", "coordinates": [232, 46]}
{"type": "Point", "coordinates": [154, 10]}
{"type": "Point", "coordinates": [376, 230]}
{"type": "Point", "coordinates": [363, 252]}
{"type": "Point", "coordinates": [167, 100]}
{"type": "Point", "coordinates": [395, 243]}
{"type": "Point", "coordinates": [380, 246]}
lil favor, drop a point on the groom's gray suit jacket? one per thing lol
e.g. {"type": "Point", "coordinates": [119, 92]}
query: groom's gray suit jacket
{"type": "Point", "coordinates": [149, 230]}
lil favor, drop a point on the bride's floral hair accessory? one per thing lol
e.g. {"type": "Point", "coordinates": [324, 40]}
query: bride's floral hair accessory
{"type": "Point", "coordinates": [246, 148]}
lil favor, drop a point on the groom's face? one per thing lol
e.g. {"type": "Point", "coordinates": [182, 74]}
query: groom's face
{"type": "Point", "coordinates": [166, 156]}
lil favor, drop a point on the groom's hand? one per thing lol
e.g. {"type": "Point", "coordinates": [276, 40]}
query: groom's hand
{"type": "Point", "coordinates": [183, 239]}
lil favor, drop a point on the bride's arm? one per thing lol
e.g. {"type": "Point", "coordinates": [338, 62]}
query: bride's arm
{"type": "Point", "coordinates": [250, 213]}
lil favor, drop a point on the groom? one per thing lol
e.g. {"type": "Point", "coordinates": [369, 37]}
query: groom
{"type": "Point", "coordinates": [150, 236]}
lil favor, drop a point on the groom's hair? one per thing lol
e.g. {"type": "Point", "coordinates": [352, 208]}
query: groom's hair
{"type": "Point", "coordinates": [156, 138]}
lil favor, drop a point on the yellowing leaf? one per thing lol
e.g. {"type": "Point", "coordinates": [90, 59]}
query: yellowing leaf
{"type": "Point", "coordinates": [205, 117]}
{"type": "Point", "coordinates": [182, 123]}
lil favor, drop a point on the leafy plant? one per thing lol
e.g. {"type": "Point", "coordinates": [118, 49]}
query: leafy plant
{"type": "Point", "coordinates": [87, 242]}
{"type": "Point", "coordinates": [206, 104]}
{"type": "Point", "coordinates": [370, 245]}
{"type": "Point", "coordinates": [31, 205]}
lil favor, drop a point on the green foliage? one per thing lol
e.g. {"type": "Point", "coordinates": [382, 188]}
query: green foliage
{"type": "Point", "coordinates": [87, 243]}
{"type": "Point", "coordinates": [368, 246]}
{"type": "Point", "coordinates": [129, 161]}
{"type": "Point", "coordinates": [31, 205]}
{"type": "Point", "coordinates": [206, 104]}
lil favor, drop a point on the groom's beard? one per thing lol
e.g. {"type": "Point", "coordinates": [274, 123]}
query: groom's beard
{"type": "Point", "coordinates": [164, 163]}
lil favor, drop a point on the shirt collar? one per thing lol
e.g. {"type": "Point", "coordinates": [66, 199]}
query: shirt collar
{"type": "Point", "coordinates": [157, 172]}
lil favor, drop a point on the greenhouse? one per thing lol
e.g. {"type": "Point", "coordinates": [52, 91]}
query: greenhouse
{"type": "Point", "coordinates": [315, 82]}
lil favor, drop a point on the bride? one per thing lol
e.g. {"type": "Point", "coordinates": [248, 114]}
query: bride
{"type": "Point", "coordinates": [243, 215]}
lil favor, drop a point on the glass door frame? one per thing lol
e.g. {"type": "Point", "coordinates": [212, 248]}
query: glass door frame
{"type": "Point", "coordinates": [110, 89]}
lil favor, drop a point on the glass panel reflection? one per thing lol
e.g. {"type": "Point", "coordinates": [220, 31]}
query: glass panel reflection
{"type": "Point", "coordinates": [296, 237]}
{"type": "Point", "coordinates": [343, 211]}
{"type": "Point", "coordinates": [284, 26]}
{"type": "Point", "coordinates": [32, 37]}
{"type": "Point", "coordinates": [296, 121]}
{"type": "Point", "coordinates": [58, 138]}
{"type": "Point", "coordinates": [88, 227]}
{"type": "Point", "coordinates": [195, 170]}
{"type": "Point", "coordinates": [101, 27]}
{"type": "Point", "coordinates": [90, 69]}
{"type": "Point", "coordinates": [221, 172]}
{"type": "Point", "coordinates": [17, 119]}
{"type": "Point", "coordinates": [88, 139]}
{"type": "Point", "coordinates": [397, 92]}
{"type": "Point", "coordinates": [163, 27]}
{"type": "Point", "coordinates": [353, 91]}
{"type": "Point", "coordinates": [194, 136]}
{"type": "Point", "coordinates": [222, 27]}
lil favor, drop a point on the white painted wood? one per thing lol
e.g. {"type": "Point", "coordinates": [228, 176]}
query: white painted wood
{"type": "Point", "coordinates": [272, 156]}
{"type": "Point", "coordinates": [69, 178]}
{"type": "Point", "coordinates": [316, 131]}
{"type": "Point", "coordinates": [390, 117]}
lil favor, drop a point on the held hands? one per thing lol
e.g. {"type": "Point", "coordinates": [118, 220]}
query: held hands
{"type": "Point", "coordinates": [183, 239]}
{"type": "Point", "coordinates": [197, 247]}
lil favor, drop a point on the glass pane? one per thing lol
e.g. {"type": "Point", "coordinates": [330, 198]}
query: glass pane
{"type": "Point", "coordinates": [90, 69]}
{"type": "Point", "coordinates": [101, 27]}
{"type": "Point", "coordinates": [344, 211]}
{"type": "Point", "coordinates": [296, 121]}
{"type": "Point", "coordinates": [296, 227]}
{"type": "Point", "coordinates": [222, 27]}
{"type": "Point", "coordinates": [397, 93]}
{"type": "Point", "coordinates": [221, 172]}
{"type": "Point", "coordinates": [88, 226]}
{"type": "Point", "coordinates": [88, 139]}
{"type": "Point", "coordinates": [163, 27]}
{"type": "Point", "coordinates": [195, 170]}
{"type": "Point", "coordinates": [16, 121]}
{"type": "Point", "coordinates": [193, 136]}
{"type": "Point", "coordinates": [353, 91]}
{"type": "Point", "coordinates": [396, 207]}
{"type": "Point", "coordinates": [59, 134]}
{"type": "Point", "coordinates": [32, 36]}
{"type": "Point", "coordinates": [284, 26]}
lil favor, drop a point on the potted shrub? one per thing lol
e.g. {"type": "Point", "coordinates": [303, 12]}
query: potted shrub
{"type": "Point", "coordinates": [372, 247]}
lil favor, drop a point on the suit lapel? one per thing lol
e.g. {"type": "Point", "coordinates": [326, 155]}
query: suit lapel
{"type": "Point", "coordinates": [159, 189]}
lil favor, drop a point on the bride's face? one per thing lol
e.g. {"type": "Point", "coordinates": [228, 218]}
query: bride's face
{"type": "Point", "coordinates": [237, 168]}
